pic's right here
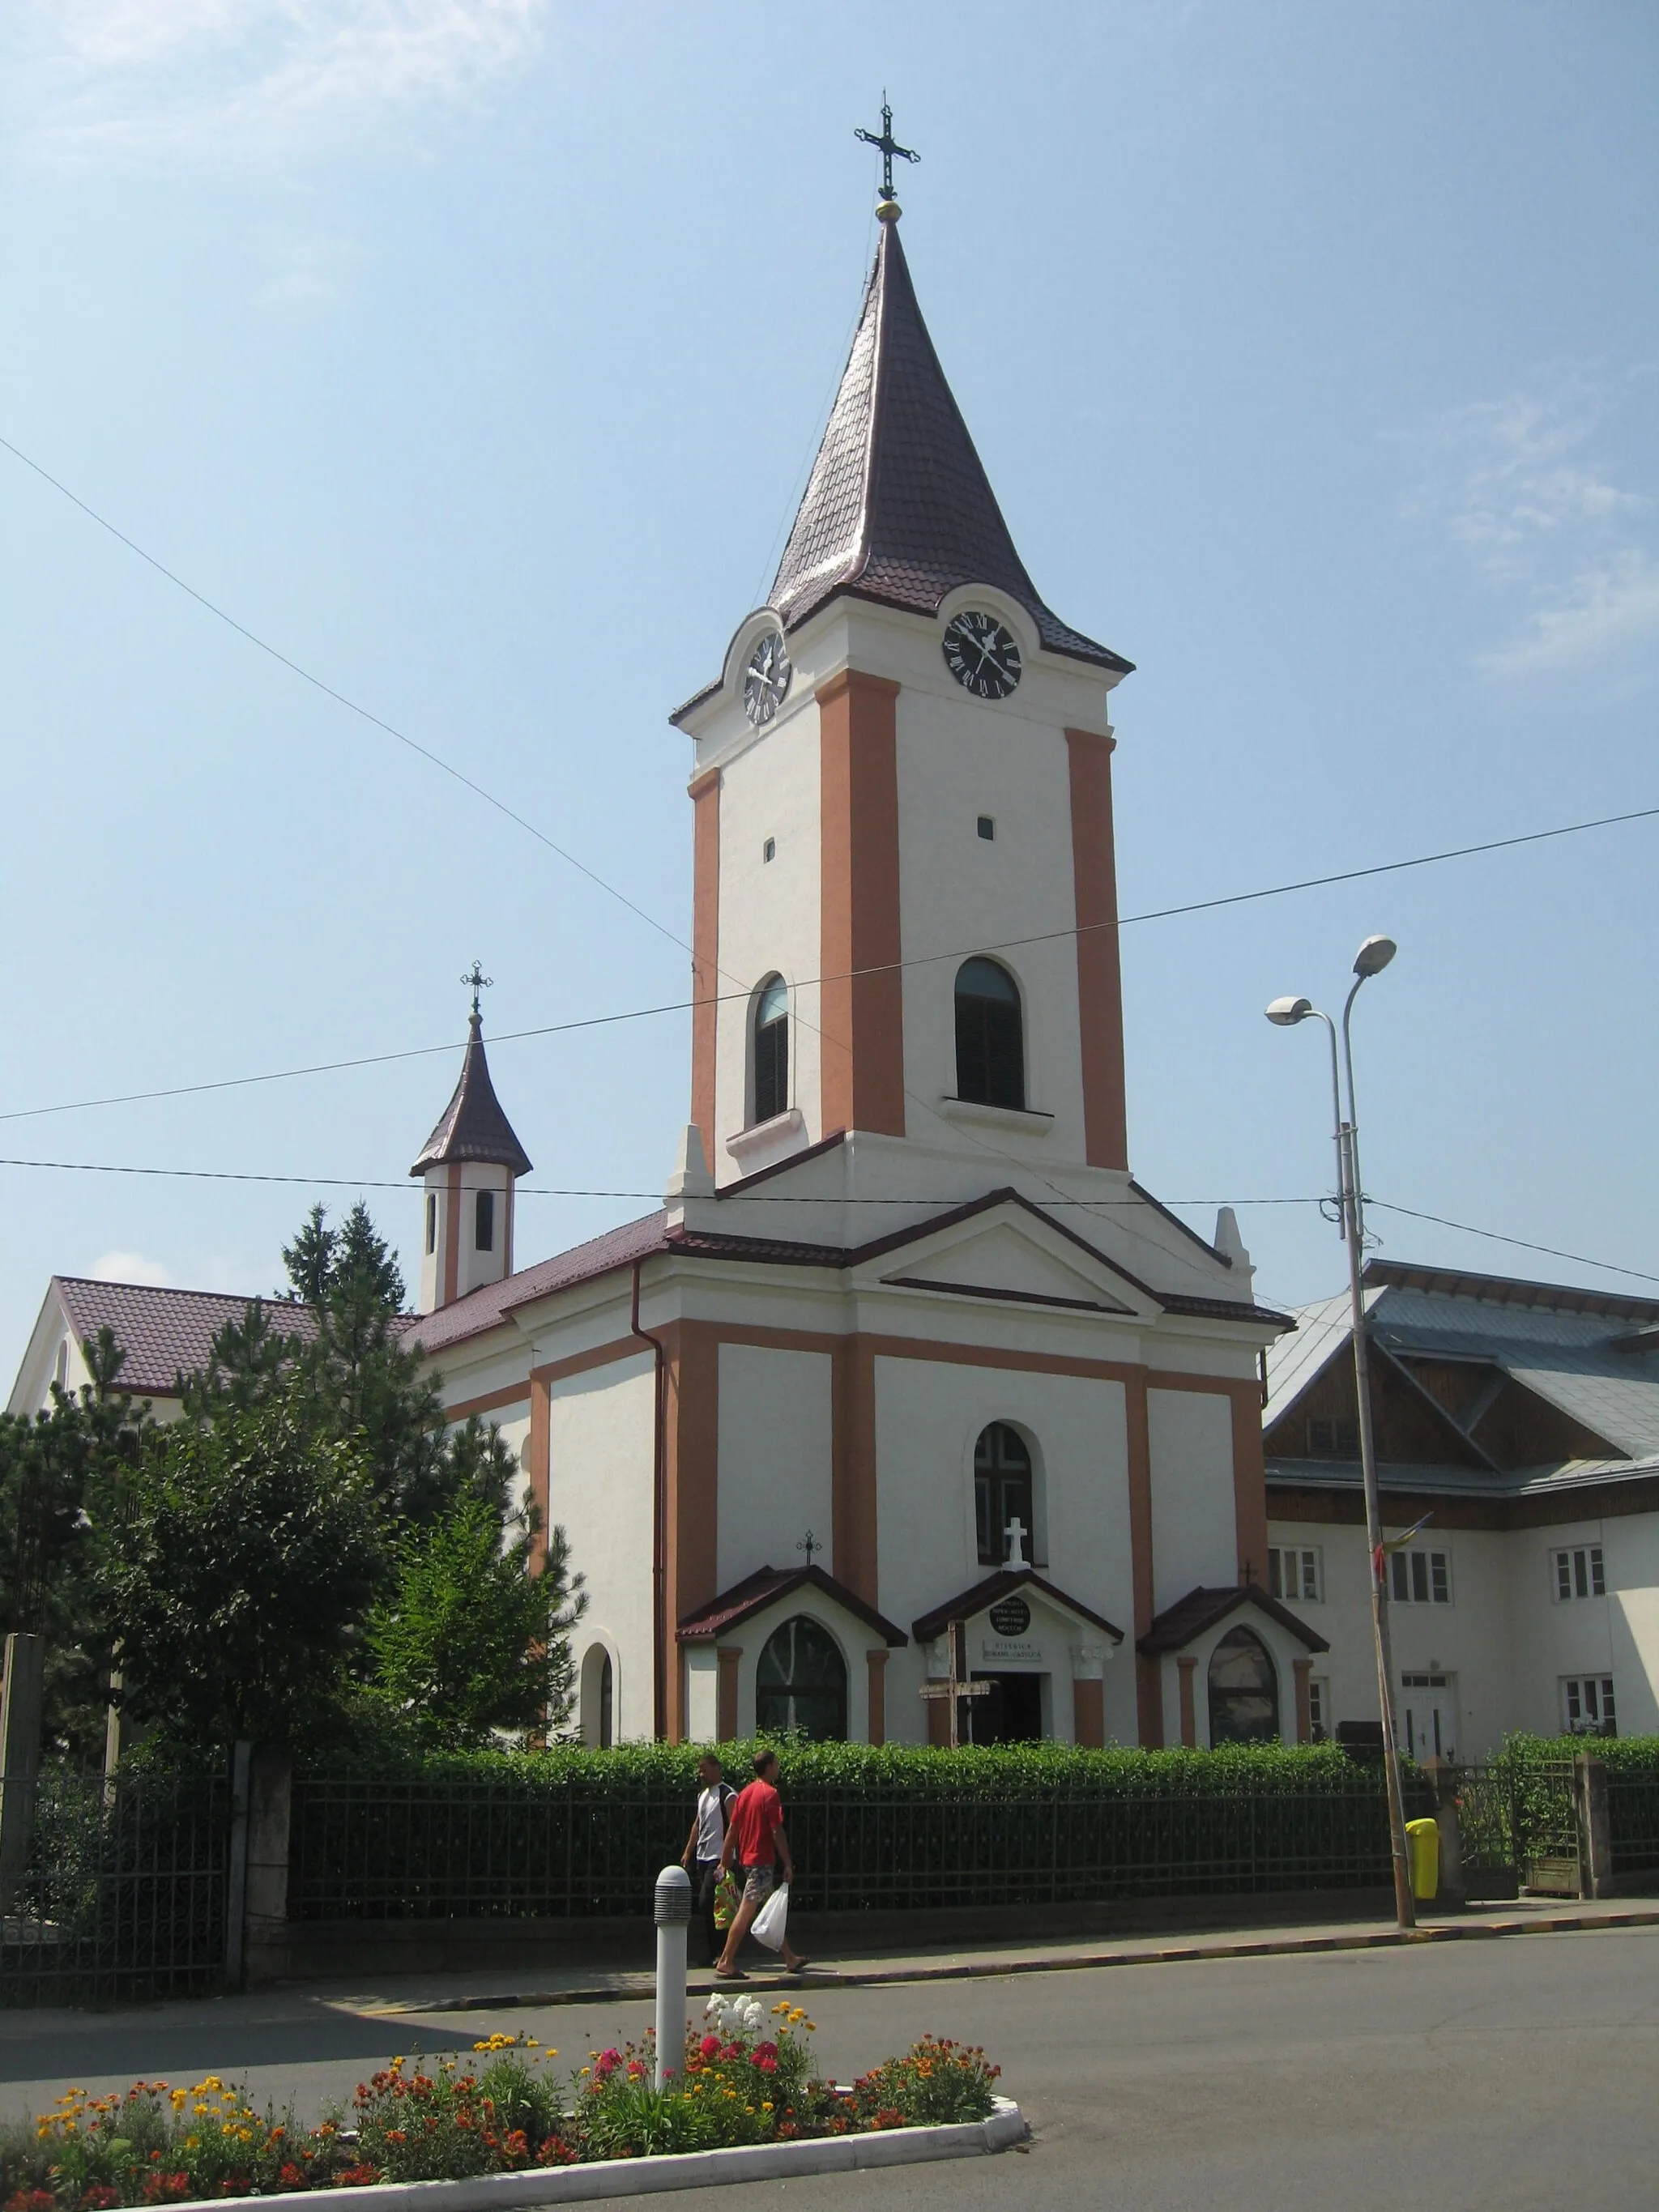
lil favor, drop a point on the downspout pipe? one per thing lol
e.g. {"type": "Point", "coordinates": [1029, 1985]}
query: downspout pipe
{"type": "Point", "coordinates": [659, 1515]}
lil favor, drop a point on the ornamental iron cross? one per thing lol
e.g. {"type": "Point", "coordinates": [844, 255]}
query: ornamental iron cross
{"type": "Point", "coordinates": [809, 1543]}
{"type": "Point", "coordinates": [477, 982]}
{"type": "Point", "coordinates": [887, 146]}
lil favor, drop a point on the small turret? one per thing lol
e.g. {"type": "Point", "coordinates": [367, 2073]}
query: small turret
{"type": "Point", "coordinates": [471, 1165]}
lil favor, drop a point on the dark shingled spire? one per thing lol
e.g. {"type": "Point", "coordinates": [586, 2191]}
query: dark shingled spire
{"type": "Point", "coordinates": [473, 1126]}
{"type": "Point", "coordinates": [898, 507]}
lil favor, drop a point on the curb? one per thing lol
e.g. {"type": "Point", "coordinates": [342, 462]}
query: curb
{"type": "Point", "coordinates": [698, 2169]}
{"type": "Point", "coordinates": [985, 1969]}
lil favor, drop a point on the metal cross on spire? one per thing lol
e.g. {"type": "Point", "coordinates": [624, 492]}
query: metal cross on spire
{"type": "Point", "coordinates": [475, 981]}
{"type": "Point", "coordinates": [887, 146]}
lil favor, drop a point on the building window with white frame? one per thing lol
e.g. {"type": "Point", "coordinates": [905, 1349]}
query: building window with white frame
{"type": "Point", "coordinates": [772, 1051]}
{"type": "Point", "coordinates": [1420, 1578]}
{"type": "Point", "coordinates": [1579, 1572]}
{"type": "Point", "coordinates": [1319, 1707]}
{"type": "Point", "coordinates": [1587, 1705]}
{"type": "Point", "coordinates": [1294, 1573]}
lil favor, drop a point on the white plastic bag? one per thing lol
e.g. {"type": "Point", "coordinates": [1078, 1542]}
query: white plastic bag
{"type": "Point", "coordinates": [771, 1920]}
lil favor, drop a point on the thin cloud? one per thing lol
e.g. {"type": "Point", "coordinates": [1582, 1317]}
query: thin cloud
{"type": "Point", "coordinates": [130, 1267]}
{"type": "Point", "coordinates": [136, 79]}
{"type": "Point", "coordinates": [1543, 522]}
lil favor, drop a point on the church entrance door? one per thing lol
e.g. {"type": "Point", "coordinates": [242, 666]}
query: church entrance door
{"type": "Point", "coordinates": [1012, 1714]}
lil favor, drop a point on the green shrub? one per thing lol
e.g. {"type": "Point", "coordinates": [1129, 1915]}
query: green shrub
{"type": "Point", "coordinates": [937, 2083]}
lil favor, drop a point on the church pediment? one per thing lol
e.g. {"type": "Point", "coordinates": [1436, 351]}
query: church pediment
{"type": "Point", "coordinates": [1018, 1258]}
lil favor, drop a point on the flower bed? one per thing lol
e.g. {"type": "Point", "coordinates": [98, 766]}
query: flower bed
{"type": "Point", "coordinates": [746, 2078]}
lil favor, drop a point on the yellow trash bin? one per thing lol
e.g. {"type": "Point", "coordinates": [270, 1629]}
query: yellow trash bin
{"type": "Point", "coordinates": [1423, 1850]}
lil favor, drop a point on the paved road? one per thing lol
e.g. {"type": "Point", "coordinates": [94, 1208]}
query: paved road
{"type": "Point", "coordinates": [1520, 2073]}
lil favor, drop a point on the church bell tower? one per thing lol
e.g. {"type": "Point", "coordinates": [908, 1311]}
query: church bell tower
{"type": "Point", "coordinates": [470, 1166]}
{"type": "Point", "coordinates": [905, 901]}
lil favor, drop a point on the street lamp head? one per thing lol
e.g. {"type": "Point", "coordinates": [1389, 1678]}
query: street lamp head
{"type": "Point", "coordinates": [1374, 955]}
{"type": "Point", "coordinates": [1287, 1012]}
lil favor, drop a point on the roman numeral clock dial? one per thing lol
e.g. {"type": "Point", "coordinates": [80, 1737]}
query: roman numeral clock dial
{"type": "Point", "coordinates": [980, 655]}
{"type": "Point", "coordinates": [765, 680]}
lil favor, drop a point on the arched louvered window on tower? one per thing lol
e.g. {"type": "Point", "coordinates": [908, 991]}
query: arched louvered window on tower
{"type": "Point", "coordinates": [990, 1036]}
{"type": "Point", "coordinates": [771, 1050]}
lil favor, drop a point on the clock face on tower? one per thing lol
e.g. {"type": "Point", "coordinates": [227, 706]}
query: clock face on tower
{"type": "Point", "coordinates": [765, 680]}
{"type": "Point", "coordinates": [980, 655]}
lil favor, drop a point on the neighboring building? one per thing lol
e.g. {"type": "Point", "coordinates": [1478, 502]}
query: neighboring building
{"type": "Point", "coordinates": [166, 1335]}
{"type": "Point", "coordinates": [908, 1344]}
{"type": "Point", "coordinates": [1518, 1423]}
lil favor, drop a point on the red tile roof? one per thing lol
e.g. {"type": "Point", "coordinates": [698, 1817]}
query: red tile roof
{"type": "Point", "coordinates": [1190, 1616]}
{"type": "Point", "coordinates": [1003, 1584]}
{"type": "Point", "coordinates": [763, 1588]}
{"type": "Point", "coordinates": [165, 1334]}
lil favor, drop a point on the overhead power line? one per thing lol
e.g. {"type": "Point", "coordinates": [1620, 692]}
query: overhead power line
{"type": "Point", "coordinates": [1493, 1235]}
{"type": "Point", "coordinates": [686, 1006]}
{"type": "Point", "coordinates": [343, 699]}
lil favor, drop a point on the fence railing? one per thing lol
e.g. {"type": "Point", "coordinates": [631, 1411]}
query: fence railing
{"type": "Point", "coordinates": [453, 1850]}
{"type": "Point", "coordinates": [123, 1892]}
{"type": "Point", "coordinates": [1517, 1827]}
{"type": "Point", "coordinates": [1633, 1818]}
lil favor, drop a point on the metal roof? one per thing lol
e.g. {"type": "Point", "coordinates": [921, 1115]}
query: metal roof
{"type": "Point", "coordinates": [898, 507]}
{"type": "Point", "coordinates": [473, 1127]}
{"type": "Point", "coordinates": [1561, 1345]}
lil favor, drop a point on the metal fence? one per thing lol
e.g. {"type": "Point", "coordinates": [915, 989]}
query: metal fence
{"type": "Point", "coordinates": [1517, 1828]}
{"type": "Point", "coordinates": [123, 1892]}
{"type": "Point", "coordinates": [458, 1849]}
{"type": "Point", "coordinates": [1633, 1817]}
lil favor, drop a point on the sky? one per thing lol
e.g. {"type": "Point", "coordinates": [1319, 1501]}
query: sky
{"type": "Point", "coordinates": [471, 354]}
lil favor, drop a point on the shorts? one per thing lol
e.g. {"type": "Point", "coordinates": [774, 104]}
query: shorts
{"type": "Point", "coordinates": [757, 1882]}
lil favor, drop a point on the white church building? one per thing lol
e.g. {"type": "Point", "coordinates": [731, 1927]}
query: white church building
{"type": "Point", "coordinates": [907, 1346]}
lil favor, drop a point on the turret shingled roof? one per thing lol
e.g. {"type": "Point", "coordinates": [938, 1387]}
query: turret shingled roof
{"type": "Point", "coordinates": [473, 1126]}
{"type": "Point", "coordinates": [898, 507]}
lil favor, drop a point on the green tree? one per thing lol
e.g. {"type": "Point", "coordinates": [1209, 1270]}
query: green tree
{"type": "Point", "coordinates": [240, 1572]}
{"type": "Point", "coordinates": [61, 1477]}
{"type": "Point", "coordinates": [472, 1641]}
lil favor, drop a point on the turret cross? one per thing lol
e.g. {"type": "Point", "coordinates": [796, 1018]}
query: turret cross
{"type": "Point", "coordinates": [477, 982]}
{"type": "Point", "coordinates": [887, 146]}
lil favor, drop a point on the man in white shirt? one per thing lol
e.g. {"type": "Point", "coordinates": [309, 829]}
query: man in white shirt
{"type": "Point", "coordinates": [701, 1856]}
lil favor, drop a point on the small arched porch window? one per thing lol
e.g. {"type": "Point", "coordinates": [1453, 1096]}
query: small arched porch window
{"type": "Point", "coordinates": [990, 1036]}
{"type": "Point", "coordinates": [801, 1682]}
{"type": "Point", "coordinates": [771, 1050]}
{"type": "Point", "coordinates": [1243, 1691]}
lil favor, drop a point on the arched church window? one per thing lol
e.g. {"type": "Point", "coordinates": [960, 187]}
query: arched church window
{"type": "Point", "coordinates": [801, 1683]}
{"type": "Point", "coordinates": [483, 1221]}
{"type": "Point", "coordinates": [1002, 1491]}
{"type": "Point", "coordinates": [990, 1036]}
{"type": "Point", "coordinates": [598, 1698]}
{"type": "Point", "coordinates": [771, 1050]}
{"type": "Point", "coordinates": [1243, 1691]}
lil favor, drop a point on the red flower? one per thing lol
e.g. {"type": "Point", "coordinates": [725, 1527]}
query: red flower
{"type": "Point", "coordinates": [710, 2046]}
{"type": "Point", "coordinates": [767, 2062]}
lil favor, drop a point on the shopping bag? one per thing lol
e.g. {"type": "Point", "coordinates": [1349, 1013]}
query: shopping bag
{"type": "Point", "coordinates": [728, 1896]}
{"type": "Point", "coordinates": [771, 1920]}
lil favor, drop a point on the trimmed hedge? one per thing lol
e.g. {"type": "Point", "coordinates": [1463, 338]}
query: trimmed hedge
{"type": "Point", "coordinates": [576, 1833]}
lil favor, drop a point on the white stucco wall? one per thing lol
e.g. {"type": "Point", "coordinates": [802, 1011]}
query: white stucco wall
{"type": "Point", "coordinates": [928, 1417]}
{"type": "Point", "coordinates": [957, 759]}
{"type": "Point", "coordinates": [1194, 1523]}
{"type": "Point", "coordinates": [775, 1476]}
{"type": "Point", "coordinates": [599, 1459]}
{"type": "Point", "coordinates": [769, 917]}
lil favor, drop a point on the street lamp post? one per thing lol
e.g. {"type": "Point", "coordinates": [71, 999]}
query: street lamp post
{"type": "Point", "coordinates": [1374, 955]}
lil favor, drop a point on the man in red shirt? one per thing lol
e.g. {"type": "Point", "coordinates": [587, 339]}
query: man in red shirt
{"type": "Point", "coordinates": [755, 1841]}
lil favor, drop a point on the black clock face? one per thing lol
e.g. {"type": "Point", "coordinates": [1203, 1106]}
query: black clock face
{"type": "Point", "coordinates": [981, 656]}
{"type": "Point", "coordinates": [765, 680]}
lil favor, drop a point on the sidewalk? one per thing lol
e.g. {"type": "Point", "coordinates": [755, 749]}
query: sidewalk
{"type": "Point", "coordinates": [291, 2007]}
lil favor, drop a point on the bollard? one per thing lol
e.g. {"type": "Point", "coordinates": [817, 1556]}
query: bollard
{"type": "Point", "coordinates": [672, 1913]}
